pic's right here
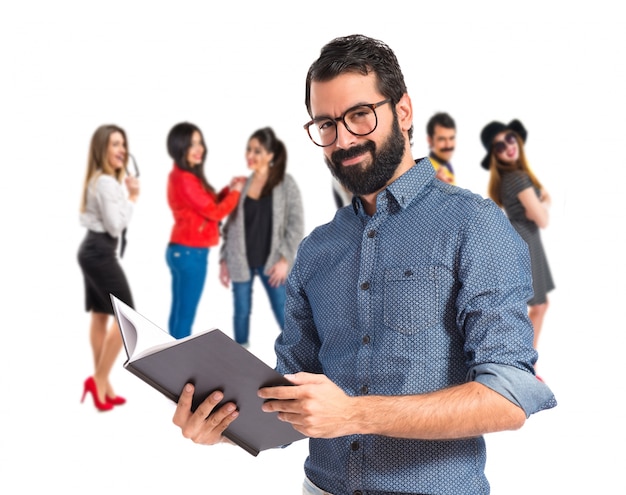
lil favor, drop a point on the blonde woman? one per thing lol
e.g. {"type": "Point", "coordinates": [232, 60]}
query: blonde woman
{"type": "Point", "coordinates": [515, 188]}
{"type": "Point", "coordinates": [106, 209]}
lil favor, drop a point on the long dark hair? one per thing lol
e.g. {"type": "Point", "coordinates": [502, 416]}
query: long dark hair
{"type": "Point", "coordinates": [272, 144]}
{"type": "Point", "coordinates": [178, 144]}
{"type": "Point", "coordinates": [361, 55]}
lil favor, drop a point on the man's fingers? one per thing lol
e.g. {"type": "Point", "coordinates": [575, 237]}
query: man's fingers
{"type": "Point", "coordinates": [206, 424]}
{"type": "Point", "coordinates": [183, 408]}
{"type": "Point", "coordinates": [207, 405]}
{"type": "Point", "coordinates": [223, 417]}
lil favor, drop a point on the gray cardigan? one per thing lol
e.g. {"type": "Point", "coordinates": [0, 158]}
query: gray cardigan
{"type": "Point", "coordinates": [287, 230]}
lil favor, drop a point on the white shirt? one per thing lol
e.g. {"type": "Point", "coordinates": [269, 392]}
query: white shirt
{"type": "Point", "coordinates": [108, 208]}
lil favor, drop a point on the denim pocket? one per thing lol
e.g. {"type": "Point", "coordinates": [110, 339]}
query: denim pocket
{"type": "Point", "coordinates": [411, 302]}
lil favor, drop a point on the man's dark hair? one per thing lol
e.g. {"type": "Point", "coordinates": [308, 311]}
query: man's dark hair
{"type": "Point", "coordinates": [442, 119]}
{"type": "Point", "coordinates": [358, 54]}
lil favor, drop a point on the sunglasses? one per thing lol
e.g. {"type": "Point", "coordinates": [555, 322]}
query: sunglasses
{"type": "Point", "coordinates": [500, 146]}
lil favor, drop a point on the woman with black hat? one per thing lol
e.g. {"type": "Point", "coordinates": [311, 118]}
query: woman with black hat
{"type": "Point", "coordinates": [516, 189]}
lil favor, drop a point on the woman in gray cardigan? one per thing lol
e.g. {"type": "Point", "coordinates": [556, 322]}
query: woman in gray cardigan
{"type": "Point", "coordinates": [261, 236]}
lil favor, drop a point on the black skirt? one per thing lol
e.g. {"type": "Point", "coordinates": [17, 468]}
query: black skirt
{"type": "Point", "coordinates": [102, 273]}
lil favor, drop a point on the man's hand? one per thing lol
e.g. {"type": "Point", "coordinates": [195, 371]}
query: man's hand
{"type": "Point", "coordinates": [315, 406]}
{"type": "Point", "coordinates": [205, 425]}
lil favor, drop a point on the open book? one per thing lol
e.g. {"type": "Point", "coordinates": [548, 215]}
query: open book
{"type": "Point", "coordinates": [210, 360]}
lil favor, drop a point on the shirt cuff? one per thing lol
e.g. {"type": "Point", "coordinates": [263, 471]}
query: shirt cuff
{"type": "Point", "coordinates": [518, 386]}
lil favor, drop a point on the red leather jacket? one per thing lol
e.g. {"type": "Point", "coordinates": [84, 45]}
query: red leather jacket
{"type": "Point", "coordinates": [197, 213]}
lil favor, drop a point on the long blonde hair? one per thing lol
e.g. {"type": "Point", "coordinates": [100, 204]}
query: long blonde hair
{"type": "Point", "coordinates": [97, 162]}
{"type": "Point", "coordinates": [497, 167]}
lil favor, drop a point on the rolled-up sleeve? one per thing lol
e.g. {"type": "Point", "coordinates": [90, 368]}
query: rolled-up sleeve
{"type": "Point", "coordinates": [492, 311]}
{"type": "Point", "coordinates": [518, 386]}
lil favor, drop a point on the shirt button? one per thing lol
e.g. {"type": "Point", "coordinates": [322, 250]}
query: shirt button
{"type": "Point", "coordinates": [364, 390]}
{"type": "Point", "coordinates": [408, 273]}
{"type": "Point", "coordinates": [366, 339]}
{"type": "Point", "coordinates": [365, 285]}
{"type": "Point", "coordinates": [371, 234]}
{"type": "Point", "coordinates": [357, 492]}
{"type": "Point", "coordinates": [354, 445]}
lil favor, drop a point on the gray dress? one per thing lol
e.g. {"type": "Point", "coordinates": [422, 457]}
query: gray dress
{"type": "Point", "coordinates": [512, 184]}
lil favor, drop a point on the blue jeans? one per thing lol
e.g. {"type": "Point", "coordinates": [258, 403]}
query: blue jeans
{"type": "Point", "coordinates": [188, 266]}
{"type": "Point", "coordinates": [242, 298]}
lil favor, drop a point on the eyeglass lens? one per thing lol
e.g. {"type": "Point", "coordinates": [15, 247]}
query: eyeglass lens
{"type": "Point", "coordinates": [359, 121]}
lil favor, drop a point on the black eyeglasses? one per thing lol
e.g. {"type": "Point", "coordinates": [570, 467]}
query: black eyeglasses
{"type": "Point", "coordinates": [135, 167]}
{"type": "Point", "coordinates": [359, 120]}
{"type": "Point", "coordinates": [500, 146]}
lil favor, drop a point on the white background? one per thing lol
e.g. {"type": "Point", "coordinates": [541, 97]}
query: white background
{"type": "Point", "coordinates": [69, 66]}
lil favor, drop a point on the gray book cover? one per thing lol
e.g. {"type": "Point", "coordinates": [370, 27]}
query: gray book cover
{"type": "Point", "coordinates": [211, 360]}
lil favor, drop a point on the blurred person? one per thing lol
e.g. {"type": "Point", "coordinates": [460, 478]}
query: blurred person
{"type": "Point", "coordinates": [406, 338]}
{"type": "Point", "coordinates": [515, 188]}
{"type": "Point", "coordinates": [106, 210]}
{"type": "Point", "coordinates": [197, 210]}
{"type": "Point", "coordinates": [441, 137]}
{"type": "Point", "coordinates": [261, 236]}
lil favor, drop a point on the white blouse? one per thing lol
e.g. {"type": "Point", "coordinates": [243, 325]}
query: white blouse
{"type": "Point", "coordinates": [108, 208]}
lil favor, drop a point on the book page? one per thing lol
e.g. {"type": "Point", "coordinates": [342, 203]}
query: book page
{"type": "Point", "coordinates": [149, 338]}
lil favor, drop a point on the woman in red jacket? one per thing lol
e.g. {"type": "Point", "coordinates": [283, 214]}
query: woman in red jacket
{"type": "Point", "coordinates": [197, 211]}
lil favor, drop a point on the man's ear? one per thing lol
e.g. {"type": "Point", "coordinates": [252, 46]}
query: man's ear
{"type": "Point", "coordinates": [404, 109]}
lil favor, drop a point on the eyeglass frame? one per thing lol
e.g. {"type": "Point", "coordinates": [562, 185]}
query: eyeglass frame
{"type": "Point", "coordinates": [509, 139]}
{"type": "Point", "coordinates": [336, 120]}
{"type": "Point", "coordinates": [135, 167]}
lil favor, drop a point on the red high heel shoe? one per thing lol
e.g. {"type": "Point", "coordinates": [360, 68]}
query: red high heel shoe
{"type": "Point", "coordinates": [118, 400]}
{"type": "Point", "coordinates": [90, 386]}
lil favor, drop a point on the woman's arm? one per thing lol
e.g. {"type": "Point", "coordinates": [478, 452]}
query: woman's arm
{"type": "Point", "coordinates": [203, 202]}
{"type": "Point", "coordinates": [536, 209]}
{"type": "Point", "coordinates": [115, 208]}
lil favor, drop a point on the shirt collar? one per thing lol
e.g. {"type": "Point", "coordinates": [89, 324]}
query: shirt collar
{"type": "Point", "coordinates": [402, 191]}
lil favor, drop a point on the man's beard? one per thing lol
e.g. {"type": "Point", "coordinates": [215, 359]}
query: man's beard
{"type": "Point", "coordinates": [361, 180]}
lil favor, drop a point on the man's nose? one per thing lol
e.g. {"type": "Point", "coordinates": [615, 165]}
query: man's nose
{"type": "Point", "coordinates": [345, 138]}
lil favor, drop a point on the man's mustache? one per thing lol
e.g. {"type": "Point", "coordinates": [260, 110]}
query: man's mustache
{"type": "Point", "coordinates": [340, 155]}
{"type": "Point", "coordinates": [445, 150]}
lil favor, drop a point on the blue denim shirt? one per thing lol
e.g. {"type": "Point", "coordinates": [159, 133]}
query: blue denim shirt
{"type": "Point", "coordinates": [429, 292]}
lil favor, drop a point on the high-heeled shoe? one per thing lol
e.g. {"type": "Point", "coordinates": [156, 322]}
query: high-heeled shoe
{"type": "Point", "coordinates": [90, 386]}
{"type": "Point", "coordinates": [118, 400]}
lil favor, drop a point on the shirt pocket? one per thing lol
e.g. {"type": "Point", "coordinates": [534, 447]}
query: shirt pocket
{"type": "Point", "coordinates": [411, 301]}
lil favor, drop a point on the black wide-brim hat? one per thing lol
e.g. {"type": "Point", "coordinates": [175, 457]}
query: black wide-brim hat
{"type": "Point", "coordinates": [494, 128]}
